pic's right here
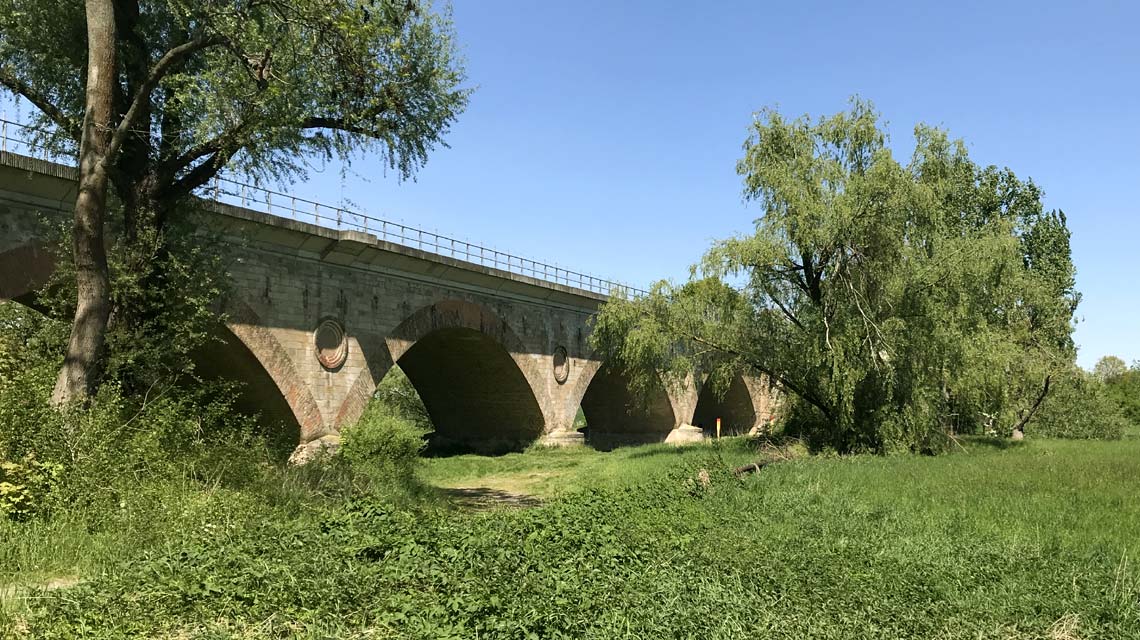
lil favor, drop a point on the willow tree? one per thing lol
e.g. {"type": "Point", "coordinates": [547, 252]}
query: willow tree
{"type": "Point", "coordinates": [187, 88]}
{"type": "Point", "coordinates": [896, 303]}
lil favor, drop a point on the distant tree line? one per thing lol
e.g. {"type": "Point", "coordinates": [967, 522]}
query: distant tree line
{"type": "Point", "coordinates": [1122, 383]}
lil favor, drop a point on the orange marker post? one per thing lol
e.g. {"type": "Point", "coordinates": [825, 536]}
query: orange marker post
{"type": "Point", "coordinates": [718, 428]}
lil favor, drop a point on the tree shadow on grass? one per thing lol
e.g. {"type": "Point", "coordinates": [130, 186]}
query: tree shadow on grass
{"type": "Point", "coordinates": [483, 498]}
{"type": "Point", "coordinates": [992, 442]}
{"type": "Point", "coordinates": [656, 450]}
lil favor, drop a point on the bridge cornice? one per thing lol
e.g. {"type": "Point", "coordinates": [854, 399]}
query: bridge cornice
{"type": "Point", "coordinates": [356, 249]}
{"type": "Point", "coordinates": [335, 246]}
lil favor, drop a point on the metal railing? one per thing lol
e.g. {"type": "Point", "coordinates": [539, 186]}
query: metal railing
{"type": "Point", "coordinates": [28, 141]}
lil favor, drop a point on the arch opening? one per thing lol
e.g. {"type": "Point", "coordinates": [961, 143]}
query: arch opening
{"type": "Point", "coordinates": [735, 409]}
{"type": "Point", "coordinates": [614, 417]}
{"type": "Point", "coordinates": [476, 396]}
{"type": "Point", "coordinates": [24, 270]}
{"type": "Point", "coordinates": [226, 358]}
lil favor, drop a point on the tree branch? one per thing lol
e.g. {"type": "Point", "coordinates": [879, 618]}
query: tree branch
{"type": "Point", "coordinates": [787, 313]}
{"type": "Point", "coordinates": [228, 138]}
{"type": "Point", "coordinates": [200, 174]}
{"type": "Point", "coordinates": [169, 60]}
{"type": "Point", "coordinates": [225, 145]}
{"type": "Point", "coordinates": [1020, 426]}
{"type": "Point", "coordinates": [41, 102]}
{"type": "Point", "coordinates": [340, 124]}
{"type": "Point", "coordinates": [209, 147]}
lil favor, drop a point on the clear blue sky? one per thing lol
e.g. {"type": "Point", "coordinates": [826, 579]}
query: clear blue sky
{"type": "Point", "coordinates": [603, 135]}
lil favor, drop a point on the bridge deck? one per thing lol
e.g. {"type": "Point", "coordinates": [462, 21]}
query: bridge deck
{"type": "Point", "coordinates": [497, 271]}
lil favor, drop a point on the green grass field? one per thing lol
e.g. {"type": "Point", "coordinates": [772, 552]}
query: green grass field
{"type": "Point", "coordinates": [1037, 540]}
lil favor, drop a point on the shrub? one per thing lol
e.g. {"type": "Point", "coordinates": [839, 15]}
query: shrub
{"type": "Point", "coordinates": [383, 438]}
{"type": "Point", "coordinates": [401, 398]}
{"type": "Point", "coordinates": [100, 452]}
{"type": "Point", "coordinates": [1124, 389]}
{"type": "Point", "coordinates": [25, 485]}
{"type": "Point", "coordinates": [95, 455]}
{"type": "Point", "coordinates": [1078, 406]}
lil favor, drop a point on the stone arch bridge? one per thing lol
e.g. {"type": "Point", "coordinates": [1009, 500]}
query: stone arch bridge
{"type": "Point", "coordinates": [318, 316]}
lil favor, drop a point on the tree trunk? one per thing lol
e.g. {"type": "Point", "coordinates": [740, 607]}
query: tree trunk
{"type": "Point", "coordinates": [81, 367]}
{"type": "Point", "coordinates": [1019, 428]}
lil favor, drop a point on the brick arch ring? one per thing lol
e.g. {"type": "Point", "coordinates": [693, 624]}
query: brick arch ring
{"type": "Point", "coordinates": [382, 353]}
{"type": "Point", "coordinates": [590, 371]}
{"type": "Point", "coordinates": [246, 326]}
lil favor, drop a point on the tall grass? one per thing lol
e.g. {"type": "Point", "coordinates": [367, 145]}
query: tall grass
{"type": "Point", "coordinates": [995, 541]}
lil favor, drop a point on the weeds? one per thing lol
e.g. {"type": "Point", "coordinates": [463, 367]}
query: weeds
{"type": "Point", "coordinates": [1027, 542]}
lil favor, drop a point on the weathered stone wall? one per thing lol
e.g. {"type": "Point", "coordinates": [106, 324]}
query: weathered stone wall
{"type": "Point", "coordinates": [384, 314]}
{"type": "Point", "coordinates": [29, 200]}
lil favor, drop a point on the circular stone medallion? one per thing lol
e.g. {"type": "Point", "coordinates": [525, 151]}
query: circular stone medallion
{"type": "Point", "coordinates": [561, 365]}
{"type": "Point", "coordinates": [332, 347]}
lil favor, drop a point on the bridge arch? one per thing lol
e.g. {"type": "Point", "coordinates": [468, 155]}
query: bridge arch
{"type": "Point", "coordinates": [471, 371]}
{"type": "Point", "coordinates": [614, 416]}
{"type": "Point", "coordinates": [735, 406]}
{"type": "Point", "coordinates": [269, 361]}
{"type": "Point", "coordinates": [24, 269]}
{"type": "Point", "coordinates": [227, 357]}
{"type": "Point", "coordinates": [241, 350]}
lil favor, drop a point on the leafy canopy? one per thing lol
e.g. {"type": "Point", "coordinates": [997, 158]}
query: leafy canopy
{"type": "Point", "coordinates": [896, 303]}
{"type": "Point", "coordinates": [259, 85]}
{"type": "Point", "coordinates": [1122, 385]}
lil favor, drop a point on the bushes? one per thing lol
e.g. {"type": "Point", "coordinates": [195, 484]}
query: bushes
{"type": "Point", "coordinates": [177, 428]}
{"type": "Point", "coordinates": [105, 450]}
{"type": "Point", "coordinates": [98, 453]}
{"type": "Point", "coordinates": [863, 547]}
{"type": "Point", "coordinates": [1080, 407]}
{"type": "Point", "coordinates": [385, 439]}
{"type": "Point", "coordinates": [397, 393]}
{"type": "Point", "coordinates": [25, 486]}
{"type": "Point", "coordinates": [1124, 389]}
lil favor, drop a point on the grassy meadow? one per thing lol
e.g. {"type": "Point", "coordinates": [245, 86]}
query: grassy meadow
{"type": "Point", "coordinates": [998, 540]}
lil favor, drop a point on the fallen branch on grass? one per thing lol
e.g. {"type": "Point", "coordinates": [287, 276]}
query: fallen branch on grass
{"type": "Point", "coordinates": [751, 467]}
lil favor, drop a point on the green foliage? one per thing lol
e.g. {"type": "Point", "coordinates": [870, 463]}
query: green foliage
{"type": "Point", "coordinates": [386, 442]}
{"type": "Point", "coordinates": [1079, 406]}
{"type": "Point", "coordinates": [25, 486]}
{"type": "Point", "coordinates": [384, 437]}
{"type": "Point", "coordinates": [580, 420]}
{"type": "Point", "coordinates": [1014, 543]}
{"type": "Point", "coordinates": [160, 313]}
{"type": "Point", "coordinates": [263, 84]}
{"type": "Point", "coordinates": [1109, 367]}
{"type": "Point", "coordinates": [253, 88]}
{"type": "Point", "coordinates": [396, 392]}
{"type": "Point", "coordinates": [1124, 389]}
{"type": "Point", "coordinates": [898, 303]}
{"type": "Point", "coordinates": [97, 453]}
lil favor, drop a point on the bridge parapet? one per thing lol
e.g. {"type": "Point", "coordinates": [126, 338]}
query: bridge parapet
{"type": "Point", "coordinates": [23, 146]}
